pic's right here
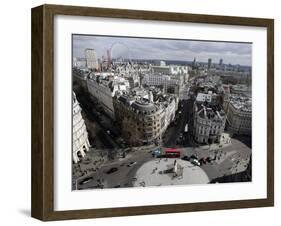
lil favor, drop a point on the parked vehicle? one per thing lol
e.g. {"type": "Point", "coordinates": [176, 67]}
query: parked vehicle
{"type": "Point", "coordinates": [186, 128]}
{"type": "Point", "coordinates": [193, 157]}
{"type": "Point", "coordinates": [195, 162]}
{"type": "Point", "coordinates": [208, 159]}
{"type": "Point", "coordinates": [131, 164]}
{"type": "Point", "coordinates": [111, 170]}
{"type": "Point", "coordinates": [85, 180]}
{"type": "Point", "coordinates": [156, 152]}
{"type": "Point", "coordinates": [186, 158]}
{"type": "Point", "coordinates": [203, 161]}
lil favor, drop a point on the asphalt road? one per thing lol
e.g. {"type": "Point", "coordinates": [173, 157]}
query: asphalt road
{"type": "Point", "coordinates": [227, 158]}
{"type": "Point", "coordinates": [225, 164]}
{"type": "Point", "coordinates": [123, 177]}
{"type": "Point", "coordinates": [173, 132]}
{"type": "Point", "coordinates": [98, 124]}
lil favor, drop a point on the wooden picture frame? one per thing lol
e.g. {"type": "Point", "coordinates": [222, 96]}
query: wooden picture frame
{"type": "Point", "coordinates": [43, 119]}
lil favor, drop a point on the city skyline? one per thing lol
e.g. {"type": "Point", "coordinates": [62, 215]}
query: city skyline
{"type": "Point", "coordinates": [164, 49]}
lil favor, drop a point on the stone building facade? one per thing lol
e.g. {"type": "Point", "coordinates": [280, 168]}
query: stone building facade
{"type": "Point", "coordinates": [80, 136]}
{"type": "Point", "coordinates": [91, 59]}
{"type": "Point", "coordinates": [142, 121]}
{"type": "Point", "coordinates": [209, 121]}
{"type": "Point", "coordinates": [238, 109]}
{"type": "Point", "coordinates": [103, 86]}
{"type": "Point", "coordinates": [170, 69]}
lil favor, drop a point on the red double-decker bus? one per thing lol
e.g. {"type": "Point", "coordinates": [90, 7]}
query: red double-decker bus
{"type": "Point", "coordinates": [172, 153]}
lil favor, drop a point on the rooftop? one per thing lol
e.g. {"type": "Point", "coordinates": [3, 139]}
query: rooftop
{"type": "Point", "coordinates": [214, 112]}
{"type": "Point", "coordinates": [241, 102]}
{"type": "Point", "coordinates": [145, 101]}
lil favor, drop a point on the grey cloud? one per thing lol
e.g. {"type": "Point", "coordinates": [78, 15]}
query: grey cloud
{"type": "Point", "coordinates": [235, 53]}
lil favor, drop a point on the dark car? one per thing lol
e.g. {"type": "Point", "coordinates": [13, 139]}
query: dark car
{"type": "Point", "coordinates": [186, 158]}
{"type": "Point", "coordinates": [112, 170]}
{"type": "Point", "coordinates": [193, 157]}
{"type": "Point", "coordinates": [203, 161]}
{"type": "Point", "coordinates": [208, 159]}
{"type": "Point", "coordinates": [85, 180]}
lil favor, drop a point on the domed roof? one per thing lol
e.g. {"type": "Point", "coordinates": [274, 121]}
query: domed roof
{"type": "Point", "coordinates": [144, 106]}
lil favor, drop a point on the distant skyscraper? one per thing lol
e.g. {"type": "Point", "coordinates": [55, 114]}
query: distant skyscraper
{"type": "Point", "coordinates": [108, 58]}
{"type": "Point", "coordinates": [194, 63]}
{"type": "Point", "coordinates": [221, 62]}
{"type": "Point", "coordinates": [209, 63]}
{"type": "Point", "coordinates": [91, 59]}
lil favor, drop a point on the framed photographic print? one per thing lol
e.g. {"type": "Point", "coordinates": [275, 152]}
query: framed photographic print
{"type": "Point", "coordinates": [141, 112]}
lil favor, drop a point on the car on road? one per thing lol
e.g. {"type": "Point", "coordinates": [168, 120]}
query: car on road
{"type": "Point", "coordinates": [186, 158]}
{"type": "Point", "coordinates": [203, 161]}
{"type": "Point", "coordinates": [85, 180]}
{"type": "Point", "coordinates": [157, 152]}
{"type": "Point", "coordinates": [193, 157]}
{"type": "Point", "coordinates": [208, 159]}
{"type": "Point", "coordinates": [195, 162]}
{"type": "Point", "coordinates": [111, 170]}
{"type": "Point", "coordinates": [131, 164]}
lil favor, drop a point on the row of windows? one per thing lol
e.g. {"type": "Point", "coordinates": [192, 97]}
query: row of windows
{"type": "Point", "coordinates": [128, 113]}
{"type": "Point", "coordinates": [211, 127]}
{"type": "Point", "coordinates": [146, 130]}
{"type": "Point", "coordinates": [77, 126]}
{"type": "Point", "coordinates": [81, 140]}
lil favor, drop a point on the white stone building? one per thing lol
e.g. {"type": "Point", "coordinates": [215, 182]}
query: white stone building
{"type": "Point", "coordinates": [79, 62]}
{"type": "Point", "coordinates": [238, 109]}
{"type": "Point", "coordinates": [241, 89]}
{"type": "Point", "coordinates": [205, 97]}
{"type": "Point", "coordinates": [91, 59]}
{"type": "Point", "coordinates": [170, 69]}
{"type": "Point", "coordinates": [103, 87]}
{"type": "Point", "coordinates": [158, 80]}
{"type": "Point", "coordinates": [178, 69]}
{"type": "Point", "coordinates": [209, 118]}
{"type": "Point", "coordinates": [170, 83]}
{"type": "Point", "coordinates": [80, 136]}
{"type": "Point", "coordinates": [208, 124]}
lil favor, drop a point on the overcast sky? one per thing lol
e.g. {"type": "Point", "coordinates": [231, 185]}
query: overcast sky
{"type": "Point", "coordinates": [144, 48]}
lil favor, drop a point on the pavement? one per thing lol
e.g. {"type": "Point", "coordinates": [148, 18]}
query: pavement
{"type": "Point", "coordinates": [159, 172]}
